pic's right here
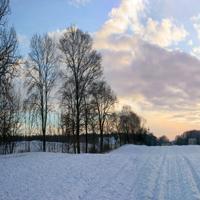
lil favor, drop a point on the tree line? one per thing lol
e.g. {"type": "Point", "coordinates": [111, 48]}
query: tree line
{"type": "Point", "coordinates": [64, 91]}
{"type": "Point", "coordinates": [188, 137]}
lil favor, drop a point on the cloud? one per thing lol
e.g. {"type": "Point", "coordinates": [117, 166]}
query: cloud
{"type": "Point", "coordinates": [78, 3]}
{"type": "Point", "coordinates": [164, 33]}
{"type": "Point", "coordinates": [130, 18]}
{"type": "Point", "coordinates": [140, 64]}
{"type": "Point", "coordinates": [56, 35]}
{"type": "Point", "coordinates": [168, 80]}
{"type": "Point", "coordinates": [158, 84]}
{"type": "Point", "coordinates": [23, 40]}
{"type": "Point", "coordinates": [196, 52]}
{"type": "Point", "coordinates": [122, 17]}
{"type": "Point", "coordinates": [140, 67]}
{"type": "Point", "coordinates": [190, 43]}
{"type": "Point", "coordinates": [196, 24]}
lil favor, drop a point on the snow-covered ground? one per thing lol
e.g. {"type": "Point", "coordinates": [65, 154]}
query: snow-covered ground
{"type": "Point", "coordinates": [130, 172]}
{"type": "Point", "coordinates": [36, 146]}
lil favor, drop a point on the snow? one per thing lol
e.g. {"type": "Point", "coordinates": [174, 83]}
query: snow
{"type": "Point", "coordinates": [130, 172]}
{"type": "Point", "coordinates": [36, 146]}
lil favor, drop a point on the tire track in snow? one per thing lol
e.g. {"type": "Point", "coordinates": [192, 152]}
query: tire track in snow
{"type": "Point", "coordinates": [160, 184]}
{"type": "Point", "coordinates": [195, 177]}
{"type": "Point", "coordinates": [147, 179]}
{"type": "Point", "coordinates": [187, 180]}
{"type": "Point", "coordinates": [126, 180]}
{"type": "Point", "coordinates": [96, 190]}
{"type": "Point", "coordinates": [174, 179]}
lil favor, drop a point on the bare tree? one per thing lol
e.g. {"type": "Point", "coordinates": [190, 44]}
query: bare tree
{"type": "Point", "coordinates": [88, 117]}
{"type": "Point", "coordinates": [68, 107]}
{"type": "Point", "coordinates": [4, 10]}
{"type": "Point", "coordinates": [8, 54]}
{"type": "Point", "coordinates": [8, 44]}
{"type": "Point", "coordinates": [31, 118]}
{"type": "Point", "coordinates": [8, 62]}
{"type": "Point", "coordinates": [92, 126]}
{"type": "Point", "coordinates": [115, 117]}
{"type": "Point", "coordinates": [103, 99]}
{"type": "Point", "coordinates": [66, 125]}
{"type": "Point", "coordinates": [130, 122]}
{"type": "Point", "coordinates": [83, 66]}
{"type": "Point", "coordinates": [40, 77]}
{"type": "Point", "coordinates": [8, 48]}
{"type": "Point", "coordinates": [10, 119]}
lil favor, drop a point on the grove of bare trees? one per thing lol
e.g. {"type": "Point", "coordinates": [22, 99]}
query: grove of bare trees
{"type": "Point", "coordinates": [83, 67]}
{"type": "Point", "coordinates": [64, 98]}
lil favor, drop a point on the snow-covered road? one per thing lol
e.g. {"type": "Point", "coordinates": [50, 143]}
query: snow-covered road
{"type": "Point", "coordinates": [131, 172]}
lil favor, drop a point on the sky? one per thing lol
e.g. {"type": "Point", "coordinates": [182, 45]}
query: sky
{"type": "Point", "coordinates": [150, 49]}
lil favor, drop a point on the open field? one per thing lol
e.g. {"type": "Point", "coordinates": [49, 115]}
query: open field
{"type": "Point", "coordinates": [130, 172]}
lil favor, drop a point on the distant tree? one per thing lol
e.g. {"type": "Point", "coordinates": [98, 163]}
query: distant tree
{"type": "Point", "coordinates": [163, 140]}
{"type": "Point", "coordinates": [93, 127]}
{"type": "Point", "coordinates": [40, 77]}
{"type": "Point", "coordinates": [30, 118]}
{"type": "Point", "coordinates": [86, 116]}
{"type": "Point", "coordinates": [66, 125]}
{"type": "Point", "coordinates": [103, 101]}
{"type": "Point", "coordinates": [184, 138]}
{"type": "Point", "coordinates": [68, 110]}
{"type": "Point", "coordinates": [83, 67]}
{"type": "Point", "coordinates": [130, 122]}
{"type": "Point", "coordinates": [115, 117]}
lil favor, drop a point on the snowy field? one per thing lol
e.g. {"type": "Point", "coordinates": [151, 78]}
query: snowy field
{"type": "Point", "coordinates": [129, 173]}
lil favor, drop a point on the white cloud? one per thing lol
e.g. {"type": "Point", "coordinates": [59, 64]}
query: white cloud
{"type": "Point", "coordinates": [190, 43]}
{"type": "Point", "coordinates": [129, 18]}
{"type": "Point", "coordinates": [196, 24]}
{"type": "Point", "coordinates": [121, 18]}
{"type": "Point", "coordinates": [56, 35]}
{"type": "Point", "coordinates": [78, 3]}
{"type": "Point", "coordinates": [164, 33]}
{"type": "Point", "coordinates": [196, 52]}
{"type": "Point", "coordinates": [23, 40]}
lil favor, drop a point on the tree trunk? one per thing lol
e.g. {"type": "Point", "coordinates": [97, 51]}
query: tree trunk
{"type": "Point", "coordinates": [120, 139]}
{"type": "Point", "coordinates": [43, 130]}
{"type": "Point", "coordinates": [78, 130]}
{"type": "Point", "coordinates": [77, 117]}
{"type": "Point", "coordinates": [44, 139]}
{"type": "Point", "coordinates": [86, 140]}
{"type": "Point", "coordinates": [93, 140]}
{"type": "Point", "coordinates": [127, 138]}
{"type": "Point", "coordinates": [73, 137]}
{"type": "Point", "coordinates": [86, 133]}
{"type": "Point", "coordinates": [101, 140]}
